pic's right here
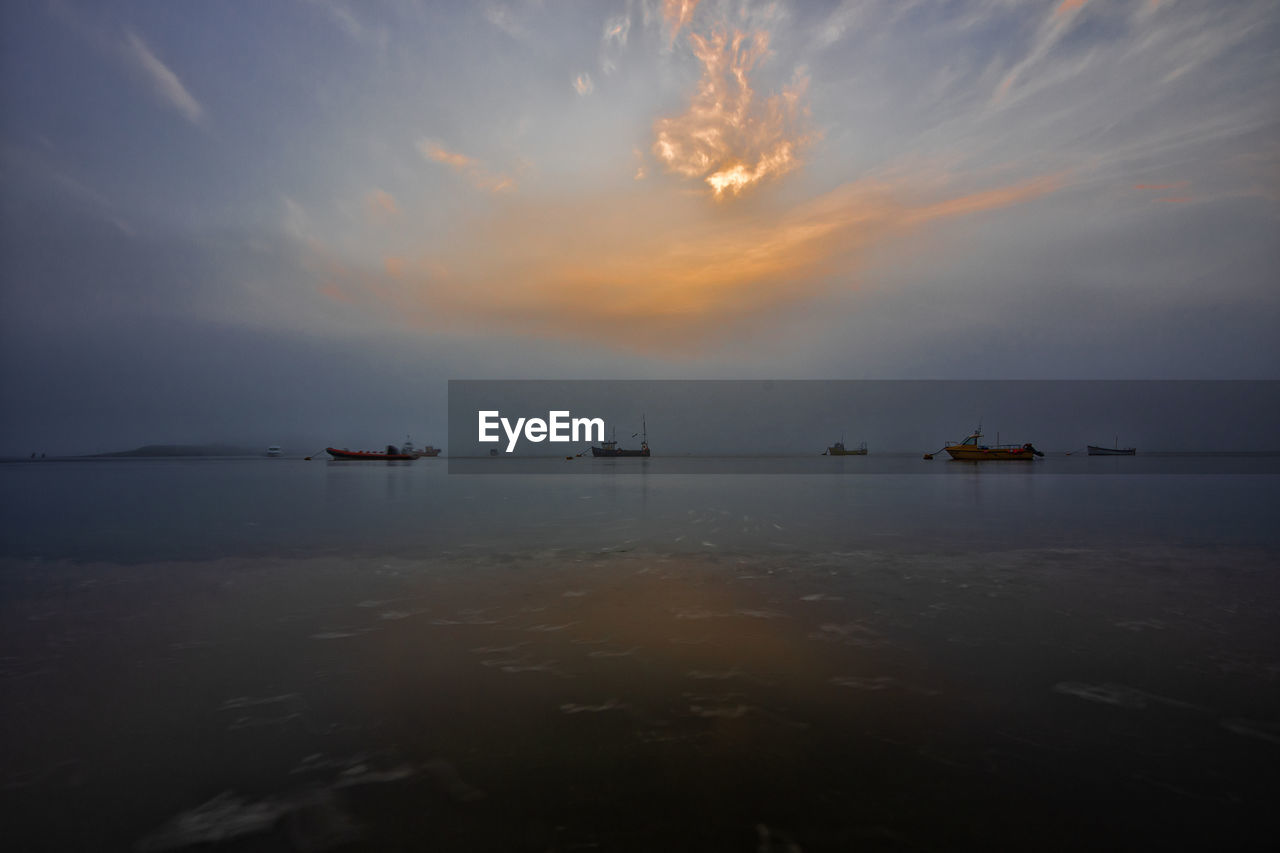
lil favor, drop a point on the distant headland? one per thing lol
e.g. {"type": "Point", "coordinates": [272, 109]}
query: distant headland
{"type": "Point", "coordinates": [151, 450]}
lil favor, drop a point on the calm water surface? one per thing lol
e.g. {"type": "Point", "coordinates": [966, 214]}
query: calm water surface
{"type": "Point", "coordinates": [287, 655]}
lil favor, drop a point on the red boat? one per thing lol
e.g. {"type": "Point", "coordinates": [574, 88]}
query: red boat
{"type": "Point", "coordinates": [392, 453]}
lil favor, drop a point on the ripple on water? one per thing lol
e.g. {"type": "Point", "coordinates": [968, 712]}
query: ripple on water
{"type": "Point", "coordinates": [1119, 695]}
{"type": "Point", "coordinates": [1262, 730]}
{"type": "Point", "coordinates": [1106, 694]}
{"type": "Point", "coordinates": [608, 705]}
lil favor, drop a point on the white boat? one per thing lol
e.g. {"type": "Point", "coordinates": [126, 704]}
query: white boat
{"type": "Point", "coordinates": [418, 452]}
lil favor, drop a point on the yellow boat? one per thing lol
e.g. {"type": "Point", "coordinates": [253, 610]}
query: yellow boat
{"type": "Point", "coordinates": [973, 450]}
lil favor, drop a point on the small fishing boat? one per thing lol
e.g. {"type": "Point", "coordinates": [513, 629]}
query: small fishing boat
{"type": "Point", "coordinates": [973, 450]}
{"type": "Point", "coordinates": [392, 453]}
{"type": "Point", "coordinates": [611, 448]}
{"type": "Point", "coordinates": [838, 449]}
{"type": "Point", "coordinates": [1117, 450]}
{"type": "Point", "coordinates": [418, 452]}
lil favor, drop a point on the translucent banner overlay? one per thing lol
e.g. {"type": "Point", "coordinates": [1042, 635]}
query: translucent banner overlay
{"type": "Point", "coordinates": [822, 426]}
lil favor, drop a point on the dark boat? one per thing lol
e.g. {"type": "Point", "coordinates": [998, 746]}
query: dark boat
{"type": "Point", "coordinates": [838, 449]}
{"type": "Point", "coordinates": [392, 453]}
{"type": "Point", "coordinates": [611, 448]}
{"type": "Point", "coordinates": [1112, 451]}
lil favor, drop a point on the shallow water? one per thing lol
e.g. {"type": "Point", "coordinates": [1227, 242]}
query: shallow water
{"type": "Point", "coordinates": [279, 655]}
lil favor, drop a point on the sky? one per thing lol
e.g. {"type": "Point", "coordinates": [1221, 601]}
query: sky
{"type": "Point", "coordinates": [291, 222]}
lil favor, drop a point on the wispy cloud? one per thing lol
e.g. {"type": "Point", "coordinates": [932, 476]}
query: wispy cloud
{"type": "Point", "coordinates": [380, 205]}
{"type": "Point", "coordinates": [673, 281]}
{"type": "Point", "coordinates": [582, 84]}
{"type": "Point", "coordinates": [1050, 32]}
{"type": "Point", "coordinates": [504, 18]}
{"type": "Point", "coordinates": [342, 15]}
{"type": "Point", "coordinates": [728, 137]}
{"type": "Point", "coordinates": [1197, 37]}
{"type": "Point", "coordinates": [677, 14]}
{"type": "Point", "coordinates": [613, 42]}
{"type": "Point", "coordinates": [839, 22]}
{"type": "Point", "coordinates": [164, 81]}
{"type": "Point", "coordinates": [53, 178]}
{"type": "Point", "coordinates": [296, 223]}
{"type": "Point", "coordinates": [479, 176]}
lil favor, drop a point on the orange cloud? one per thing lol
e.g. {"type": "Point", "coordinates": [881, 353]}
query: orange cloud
{"type": "Point", "coordinates": [727, 137]}
{"type": "Point", "coordinates": [677, 14]}
{"type": "Point", "coordinates": [653, 271]}
{"type": "Point", "coordinates": [985, 200]}
{"type": "Point", "coordinates": [1067, 7]}
{"type": "Point", "coordinates": [478, 175]}
{"type": "Point", "coordinates": [435, 151]}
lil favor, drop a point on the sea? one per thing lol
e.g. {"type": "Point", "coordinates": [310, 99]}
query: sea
{"type": "Point", "coordinates": [877, 653]}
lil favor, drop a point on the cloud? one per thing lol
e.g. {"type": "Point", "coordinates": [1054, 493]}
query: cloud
{"type": "Point", "coordinates": [347, 21]}
{"type": "Point", "coordinates": [298, 224]}
{"type": "Point", "coordinates": [480, 177]}
{"type": "Point", "coordinates": [1050, 32]}
{"type": "Point", "coordinates": [165, 83]}
{"type": "Point", "coordinates": [649, 266]}
{"type": "Point", "coordinates": [1202, 35]}
{"type": "Point", "coordinates": [727, 137]}
{"type": "Point", "coordinates": [582, 84]}
{"type": "Point", "coordinates": [613, 41]}
{"type": "Point", "coordinates": [677, 14]}
{"type": "Point", "coordinates": [981, 201]}
{"type": "Point", "coordinates": [839, 22]}
{"type": "Point", "coordinates": [651, 272]}
{"type": "Point", "coordinates": [504, 18]}
{"type": "Point", "coordinates": [1068, 8]}
{"type": "Point", "coordinates": [380, 205]}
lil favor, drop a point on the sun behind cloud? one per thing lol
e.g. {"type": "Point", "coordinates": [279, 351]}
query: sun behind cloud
{"type": "Point", "coordinates": [729, 137]}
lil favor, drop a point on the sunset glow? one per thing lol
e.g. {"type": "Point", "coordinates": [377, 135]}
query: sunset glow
{"type": "Point", "coordinates": [650, 185]}
{"type": "Point", "coordinates": [659, 425]}
{"type": "Point", "coordinates": [727, 137]}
